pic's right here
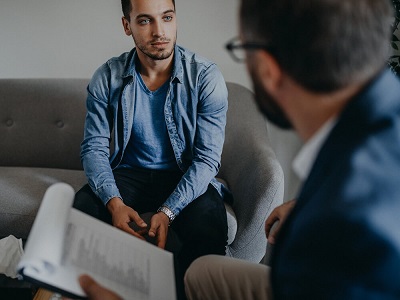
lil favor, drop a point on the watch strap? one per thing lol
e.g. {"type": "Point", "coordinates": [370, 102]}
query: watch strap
{"type": "Point", "coordinates": [167, 212]}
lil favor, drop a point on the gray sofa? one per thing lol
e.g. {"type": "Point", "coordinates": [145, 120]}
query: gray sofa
{"type": "Point", "coordinates": [41, 128]}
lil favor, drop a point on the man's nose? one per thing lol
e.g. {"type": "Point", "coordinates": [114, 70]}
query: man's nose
{"type": "Point", "coordinates": [158, 29]}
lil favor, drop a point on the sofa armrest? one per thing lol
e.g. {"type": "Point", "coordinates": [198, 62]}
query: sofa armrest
{"type": "Point", "coordinates": [252, 171]}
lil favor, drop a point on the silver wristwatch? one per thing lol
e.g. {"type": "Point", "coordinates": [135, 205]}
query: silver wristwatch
{"type": "Point", "coordinates": [168, 212]}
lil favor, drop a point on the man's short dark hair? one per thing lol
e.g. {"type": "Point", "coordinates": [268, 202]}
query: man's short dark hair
{"type": "Point", "coordinates": [127, 7]}
{"type": "Point", "coordinates": [323, 45]}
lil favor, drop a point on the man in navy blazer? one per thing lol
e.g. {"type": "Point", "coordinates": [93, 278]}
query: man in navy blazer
{"type": "Point", "coordinates": [318, 66]}
{"type": "Point", "coordinates": [342, 238]}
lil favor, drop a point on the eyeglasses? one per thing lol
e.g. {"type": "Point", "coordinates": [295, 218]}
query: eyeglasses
{"type": "Point", "coordinates": [237, 50]}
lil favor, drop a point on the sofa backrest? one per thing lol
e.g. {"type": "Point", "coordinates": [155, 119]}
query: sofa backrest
{"type": "Point", "coordinates": [41, 122]}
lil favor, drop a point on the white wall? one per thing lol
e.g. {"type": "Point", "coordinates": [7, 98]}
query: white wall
{"type": "Point", "coordinates": [55, 38]}
{"type": "Point", "coordinates": [66, 39]}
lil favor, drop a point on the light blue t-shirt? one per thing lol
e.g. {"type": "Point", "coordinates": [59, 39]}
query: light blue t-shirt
{"type": "Point", "coordinates": [149, 146]}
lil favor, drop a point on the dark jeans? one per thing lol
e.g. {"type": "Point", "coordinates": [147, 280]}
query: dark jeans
{"type": "Point", "coordinates": [201, 227]}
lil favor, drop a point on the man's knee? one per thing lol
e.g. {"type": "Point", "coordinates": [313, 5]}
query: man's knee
{"type": "Point", "coordinates": [221, 277]}
{"type": "Point", "coordinates": [199, 266]}
{"type": "Point", "coordinates": [86, 201]}
{"type": "Point", "coordinates": [206, 217]}
{"type": "Point", "coordinates": [199, 275]}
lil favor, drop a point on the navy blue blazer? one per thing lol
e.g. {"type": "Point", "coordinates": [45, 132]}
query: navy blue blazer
{"type": "Point", "coordinates": [342, 239]}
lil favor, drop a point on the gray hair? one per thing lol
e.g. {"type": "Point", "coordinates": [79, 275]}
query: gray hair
{"type": "Point", "coordinates": [323, 45]}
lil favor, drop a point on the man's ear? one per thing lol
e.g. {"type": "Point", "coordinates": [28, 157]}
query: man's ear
{"type": "Point", "coordinates": [127, 28]}
{"type": "Point", "coordinates": [269, 71]}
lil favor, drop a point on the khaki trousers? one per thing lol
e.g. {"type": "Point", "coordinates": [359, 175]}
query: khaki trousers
{"type": "Point", "coordinates": [220, 277]}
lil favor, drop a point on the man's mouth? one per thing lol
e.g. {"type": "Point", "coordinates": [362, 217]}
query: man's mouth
{"type": "Point", "coordinates": [159, 43]}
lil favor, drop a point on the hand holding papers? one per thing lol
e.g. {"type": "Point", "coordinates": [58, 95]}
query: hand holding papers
{"type": "Point", "coordinates": [65, 243]}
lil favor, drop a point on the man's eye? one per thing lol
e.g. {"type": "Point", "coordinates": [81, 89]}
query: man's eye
{"type": "Point", "coordinates": [144, 21]}
{"type": "Point", "coordinates": [168, 18]}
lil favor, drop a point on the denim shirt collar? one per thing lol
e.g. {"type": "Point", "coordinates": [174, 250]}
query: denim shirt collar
{"type": "Point", "coordinates": [177, 71]}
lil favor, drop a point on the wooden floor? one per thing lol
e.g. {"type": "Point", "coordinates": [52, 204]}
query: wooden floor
{"type": "Point", "coordinates": [43, 294]}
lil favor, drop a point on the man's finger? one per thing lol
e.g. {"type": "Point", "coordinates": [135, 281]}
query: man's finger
{"type": "Point", "coordinates": [153, 229]}
{"type": "Point", "coordinates": [272, 218]}
{"type": "Point", "coordinates": [94, 291]}
{"type": "Point", "coordinates": [161, 238]}
{"type": "Point", "coordinates": [127, 229]}
{"type": "Point", "coordinates": [137, 219]}
{"type": "Point", "coordinates": [158, 230]}
{"type": "Point", "coordinates": [88, 285]}
{"type": "Point", "coordinates": [274, 232]}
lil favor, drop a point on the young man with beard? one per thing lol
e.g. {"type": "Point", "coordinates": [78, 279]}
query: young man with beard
{"type": "Point", "coordinates": [319, 66]}
{"type": "Point", "coordinates": [164, 110]}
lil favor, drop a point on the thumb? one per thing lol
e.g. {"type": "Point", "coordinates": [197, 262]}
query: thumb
{"type": "Point", "coordinates": [274, 232]}
{"type": "Point", "coordinates": [94, 291]}
{"type": "Point", "coordinates": [133, 215]}
{"type": "Point", "coordinates": [88, 285]}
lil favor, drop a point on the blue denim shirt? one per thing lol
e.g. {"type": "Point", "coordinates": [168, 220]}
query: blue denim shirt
{"type": "Point", "coordinates": [195, 116]}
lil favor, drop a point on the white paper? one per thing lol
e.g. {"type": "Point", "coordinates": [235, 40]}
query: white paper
{"type": "Point", "coordinates": [44, 246]}
{"type": "Point", "coordinates": [132, 268]}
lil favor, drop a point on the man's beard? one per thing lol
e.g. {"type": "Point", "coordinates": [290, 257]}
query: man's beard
{"type": "Point", "coordinates": [160, 55]}
{"type": "Point", "coordinates": [268, 106]}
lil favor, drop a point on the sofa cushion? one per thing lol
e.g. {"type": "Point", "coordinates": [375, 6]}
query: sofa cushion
{"type": "Point", "coordinates": [42, 122]}
{"type": "Point", "coordinates": [22, 190]}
